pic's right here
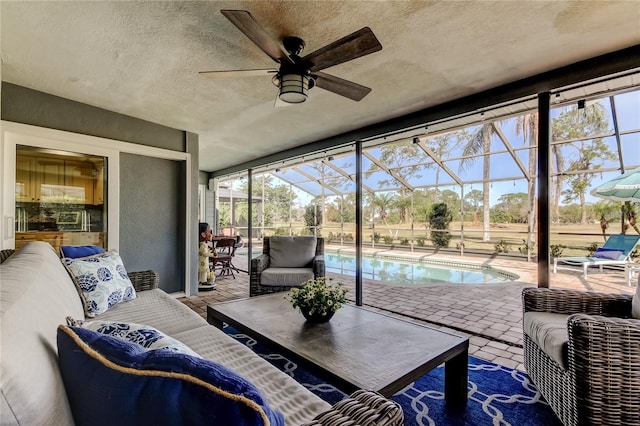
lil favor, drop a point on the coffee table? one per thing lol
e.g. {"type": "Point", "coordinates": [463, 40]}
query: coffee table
{"type": "Point", "coordinates": [357, 349]}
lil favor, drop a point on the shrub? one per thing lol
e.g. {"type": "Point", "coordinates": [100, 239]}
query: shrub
{"type": "Point", "coordinates": [280, 231]}
{"type": "Point", "coordinates": [420, 242]}
{"type": "Point", "coordinates": [388, 240]}
{"type": "Point", "coordinates": [592, 248]}
{"type": "Point", "coordinates": [440, 216]}
{"type": "Point", "coordinates": [555, 250]}
{"type": "Point", "coordinates": [502, 247]}
{"type": "Point", "coordinates": [404, 242]}
{"type": "Point", "coordinates": [525, 248]}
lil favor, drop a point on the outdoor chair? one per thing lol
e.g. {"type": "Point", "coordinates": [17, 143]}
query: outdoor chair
{"type": "Point", "coordinates": [582, 351]}
{"type": "Point", "coordinates": [286, 262]}
{"type": "Point", "coordinates": [226, 248]}
{"type": "Point", "coordinates": [615, 251]}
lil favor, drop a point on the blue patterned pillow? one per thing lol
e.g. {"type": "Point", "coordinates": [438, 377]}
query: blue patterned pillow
{"type": "Point", "coordinates": [144, 335]}
{"type": "Point", "coordinates": [109, 381]}
{"type": "Point", "coordinates": [101, 280]}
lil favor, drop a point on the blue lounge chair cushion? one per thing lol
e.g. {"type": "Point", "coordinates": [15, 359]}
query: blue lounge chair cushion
{"type": "Point", "coordinates": [604, 253]}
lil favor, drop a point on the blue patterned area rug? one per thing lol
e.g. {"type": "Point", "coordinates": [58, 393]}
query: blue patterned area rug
{"type": "Point", "coordinates": [498, 395]}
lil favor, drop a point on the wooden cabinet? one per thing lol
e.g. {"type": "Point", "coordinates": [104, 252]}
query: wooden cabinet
{"type": "Point", "coordinates": [56, 239]}
{"type": "Point", "coordinates": [56, 180]}
{"type": "Point", "coordinates": [25, 179]}
{"type": "Point", "coordinates": [98, 191]}
{"type": "Point", "coordinates": [79, 181]}
{"type": "Point", "coordinates": [39, 179]}
{"type": "Point", "coordinates": [24, 237]}
{"type": "Point", "coordinates": [49, 179]}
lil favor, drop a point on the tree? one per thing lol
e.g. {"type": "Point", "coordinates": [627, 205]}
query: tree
{"type": "Point", "coordinates": [422, 200]}
{"type": "Point", "coordinates": [587, 154]}
{"type": "Point", "coordinates": [404, 159]}
{"type": "Point", "coordinates": [511, 207]}
{"type": "Point", "coordinates": [480, 143]}
{"type": "Point", "coordinates": [605, 211]}
{"type": "Point", "coordinates": [443, 144]}
{"type": "Point", "coordinates": [527, 126]}
{"type": "Point", "coordinates": [440, 217]}
{"type": "Point", "coordinates": [277, 199]}
{"type": "Point", "coordinates": [474, 197]}
{"type": "Point", "coordinates": [383, 201]}
{"type": "Point", "coordinates": [313, 216]}
{"type": "Point", "coordinates": [327, 177]}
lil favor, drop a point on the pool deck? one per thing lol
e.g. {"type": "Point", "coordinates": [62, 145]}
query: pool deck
{"type": "Point", "coordinates": [490, 314]}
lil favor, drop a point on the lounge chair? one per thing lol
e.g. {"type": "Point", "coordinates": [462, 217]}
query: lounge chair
{"type": "Point", "coordinates": [615, 251]}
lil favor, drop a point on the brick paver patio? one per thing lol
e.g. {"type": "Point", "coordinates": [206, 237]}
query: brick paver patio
{"type": "Point", "coordinates": [490, 314]}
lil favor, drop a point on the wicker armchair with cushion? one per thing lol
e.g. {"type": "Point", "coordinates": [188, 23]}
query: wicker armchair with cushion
{"type": "Point", "coordinates": [582, 351]}
{"type": "Point", "coordinates": [286, 262]}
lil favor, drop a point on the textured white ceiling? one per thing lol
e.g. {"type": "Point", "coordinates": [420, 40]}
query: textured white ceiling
{"type": "Point", "coordinates": [142, 59]}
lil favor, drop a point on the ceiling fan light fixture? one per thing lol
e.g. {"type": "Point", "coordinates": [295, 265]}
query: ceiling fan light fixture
{"type": "Point", "coordinates": [294, 88]}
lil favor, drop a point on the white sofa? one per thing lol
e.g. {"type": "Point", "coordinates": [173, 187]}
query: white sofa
{"type": "Point", "coordinates": [37, 294]}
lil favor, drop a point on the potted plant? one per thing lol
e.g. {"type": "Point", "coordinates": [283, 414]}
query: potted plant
{"type": "Point", "coordinates": [318, 299]}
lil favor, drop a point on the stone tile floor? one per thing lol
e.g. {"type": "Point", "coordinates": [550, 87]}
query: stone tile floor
{"type": "Point", "coordinates": [490, 314]}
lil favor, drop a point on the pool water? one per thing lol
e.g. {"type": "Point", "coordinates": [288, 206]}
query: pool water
{"type": "Point", "coordinates": [406, 271]}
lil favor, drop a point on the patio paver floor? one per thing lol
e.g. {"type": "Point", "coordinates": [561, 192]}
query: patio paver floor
{"type": "Point", "coordinates": [490, 314]}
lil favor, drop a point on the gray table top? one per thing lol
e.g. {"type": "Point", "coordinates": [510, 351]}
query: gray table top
{"type": "Point", "coordinates": [356, 349]}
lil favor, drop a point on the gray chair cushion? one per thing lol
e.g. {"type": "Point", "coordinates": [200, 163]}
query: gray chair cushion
{"type": "Point", "coordinates": [291, 252]}
{"type": "Point", "coordinates": [286, 276]}
{"type": "Point", "coordinates": [549, 331]}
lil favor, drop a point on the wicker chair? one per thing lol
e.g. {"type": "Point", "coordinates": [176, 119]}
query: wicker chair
{"type": "Point", "coordinates": [599, 383]}
{"type": "Point", "coordinates": [5, 254]}
{"type": "Point", "coordinates": [260, 263]}
{"type": "Point", "coordinates": [362, 408]}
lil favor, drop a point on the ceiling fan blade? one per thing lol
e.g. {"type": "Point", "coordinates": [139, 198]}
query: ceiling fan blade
{"type": "Point", "coordinates": [341, 87]}
{"type": "Point", "coordinates": [256, 32]}
{"type": "Point", "coordinates": [360, 43]}
{"type": "Point", "coordinates": [239, 73]}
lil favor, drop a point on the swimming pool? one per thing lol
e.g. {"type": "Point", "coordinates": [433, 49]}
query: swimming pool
{"type": "Point", "coordinates": [394, 269]}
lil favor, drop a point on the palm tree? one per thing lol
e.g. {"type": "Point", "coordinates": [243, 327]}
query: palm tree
{"type": "Point", "coordinates": [383, 201]}
{"type": "Point", "coordinates": [527, 126]}
{"type": "Point", "coordinates": [480, 144]}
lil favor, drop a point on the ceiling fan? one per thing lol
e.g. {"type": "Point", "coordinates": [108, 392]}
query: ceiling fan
{"type": "Point", "coordinates": [296, 75]}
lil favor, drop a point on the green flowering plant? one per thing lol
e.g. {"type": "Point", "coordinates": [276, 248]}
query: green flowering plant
{"type": "Point", "coordinates": [318, 296]}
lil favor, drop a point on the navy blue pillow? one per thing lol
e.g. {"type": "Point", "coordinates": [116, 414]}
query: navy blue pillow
{"type": "Point", "coordinates": [114, 382]}
{"type": "Point", "coordinates": [75, 252]}
{"type": "Point", "coordinates": [604, 253]}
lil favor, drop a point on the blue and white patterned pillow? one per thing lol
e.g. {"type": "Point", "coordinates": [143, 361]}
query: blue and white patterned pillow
{"type": "Point", "coordinates": [107, 379]}
{"type": "Point", "coordinates": [144, 335]}
{"type": "Point", "coordinates": [101, 280]}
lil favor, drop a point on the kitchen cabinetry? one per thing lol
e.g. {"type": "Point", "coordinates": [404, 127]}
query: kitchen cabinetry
{"type": "Point", "coordinates": [98, 192]}
{"type": "Point", "coordinates": [56, 239]}
{"type": "Point", "coordinates": [79, 181]}
{"type": "Point", "coordinates": [38, 179]}
{"type": "Point", "coordinates": [25, 179]}
{"type": "Point", "coordinates": [51, 179]}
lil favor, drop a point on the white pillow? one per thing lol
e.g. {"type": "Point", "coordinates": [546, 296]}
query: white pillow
{"type": "Point", "coordinates": [144, 335]}
{"type": "Point", "coordinates": [101, 281]}
{"type": "Point", "coordinates": [635, 302]}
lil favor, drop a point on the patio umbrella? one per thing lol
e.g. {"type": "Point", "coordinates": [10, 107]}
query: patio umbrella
{"type": "Point", "coordinates": [625, 187]}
